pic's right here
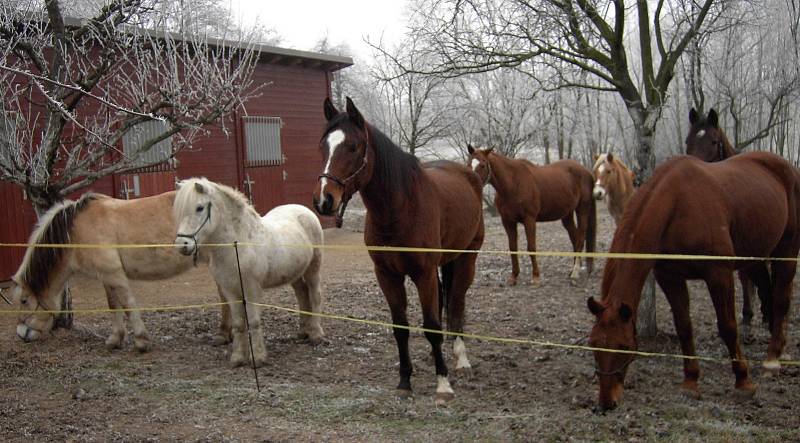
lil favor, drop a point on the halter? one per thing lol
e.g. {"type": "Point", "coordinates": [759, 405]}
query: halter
{"type": "Point", "coordinates": [39, 304]}
{"type": "Point", "coordinates": [619, 371]}
{"type": "Point", "coordinates": [343, 182]}
{"type": "Point", "coordinates": [193, 236]}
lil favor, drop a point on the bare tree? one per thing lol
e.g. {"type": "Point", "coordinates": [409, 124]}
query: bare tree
{"type": "Point", "coordinates": [73, 89]}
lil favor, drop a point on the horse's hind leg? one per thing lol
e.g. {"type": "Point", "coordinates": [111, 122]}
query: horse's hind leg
{"type": "Point", "coordinates": [678, 297]}
{"type": "Point", "coordinates": [747, 305]}
{"type": "Point", "coordinates": [224, 336]}
{"type": "Point", "coordinates": [576, 239]}
{"type": "Point", "coordinates": [462, 272]}
{"type": "Point", "coordinates": [721, 287]}
{"type": "Point", "coordinates": [782, 276]}
{"type": "Point", "coordinates": [117, 337]}
{"type": "Point", "coordinates": [309, 299]}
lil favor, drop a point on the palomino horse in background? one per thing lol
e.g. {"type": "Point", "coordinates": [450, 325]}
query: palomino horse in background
{"type": "Point", "coordinates": [279, 250]}
{"type": "Point", "coordinates": [99, 219]}
{"type": "Point", "coordinates": [432, 205]}
{"type": "Point", "coordinates": [527, 193]}
{"type": "Point", "coordinates": [613, 182]}
{"type": "Point", "coordinates": [745, 206]}
{"type": "Point", "coordinates": [707, 141]}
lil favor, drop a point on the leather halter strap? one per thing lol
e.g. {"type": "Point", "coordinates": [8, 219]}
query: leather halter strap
{"type": "Point", "coordinates": [193, 236]}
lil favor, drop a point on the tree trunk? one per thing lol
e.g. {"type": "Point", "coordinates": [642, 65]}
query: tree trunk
{"type": "Point", "coordinates": [42, 200]}
{"type": "Point", "coordinates": [644, 122]}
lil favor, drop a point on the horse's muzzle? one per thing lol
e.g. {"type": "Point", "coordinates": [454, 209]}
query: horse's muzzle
{"type": "Point", "coordinates": [27, 334]}
{"type": "Point", "coordinates": [325, 206]}
{"type": "Point", "coordinates": [598, 193]}
{"type": "Point", "coordinates": [185, 245]}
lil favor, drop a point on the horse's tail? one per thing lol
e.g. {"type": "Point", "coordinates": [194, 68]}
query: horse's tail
{"type": "Point", "coordinates": [591, 235]}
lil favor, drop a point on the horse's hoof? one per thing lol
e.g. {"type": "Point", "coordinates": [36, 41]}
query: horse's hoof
{"type": "Point", "coordinates": [512, 281]}
{"type": "Point", "coordinates": [464, 372]}
{"type": "Point", "coordinates": [690, 390]}
{"type": "Point", "coordinates": [405, 393]}
{"type": "Point", "coordinates": [220, 340]}
{"type": "Point", "coordinates": [142, 344]}
{"type": "Point", "coordinates": [114, 342]}
{"type": "Point", "coordinates": [237, 361]}
{"type": "Point", "coordinates": [319, 340]}
{"type": "Point", "coordinates": [536, 282]}
{"type": "Point", "coordinates": [745, 390]}
{"type": "Point", "coordinates": [772, 367]}
{"type": "Point", "coordinates": [442, 398]}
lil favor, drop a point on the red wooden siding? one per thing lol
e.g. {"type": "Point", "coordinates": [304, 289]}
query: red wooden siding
{"type": "Point", "coordinates": [16, 223]}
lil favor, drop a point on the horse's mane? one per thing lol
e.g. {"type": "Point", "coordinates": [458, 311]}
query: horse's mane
{"type": "Point", "coordinates": [397, 169]}
{"type": "Point", "coordinates": [54, 227]}
{"type": "Point", "coordinates": [231, 195]}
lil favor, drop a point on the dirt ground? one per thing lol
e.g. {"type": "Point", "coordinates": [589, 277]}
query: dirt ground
{"type": "Point", "coordinates": [70, 388]}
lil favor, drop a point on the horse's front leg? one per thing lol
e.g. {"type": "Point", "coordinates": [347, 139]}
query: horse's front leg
{"type": "Point", "coordinates": [511, 232]}
{"type": "Point", "coordinates": [427, 287]}
{"type": "Point", "coordinates": [393, 288]}
{"type": "Point", "coordinates": [224, 335]}
{"type": "Point", "coordinates": [240, 349]}
{"type": "Point", "coordinates": [678, 297]}
{"type": "Point", "coordinates": [124, 295]}
{"type": "Point", "coordinates": [117, 336]}
{"type": "Point", "coordinates": [530, 234]}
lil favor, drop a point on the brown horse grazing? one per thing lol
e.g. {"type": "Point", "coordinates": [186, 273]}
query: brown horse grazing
{"type": "Point", "coordinates": [707, 141]}
{"type": "Point", "coordinates": [613, 182]}
{"type": "Point", "coordinates": [431, 205]}
{"type": "Point", "coordinates": [527, 193]}
{"type": "Point", "coordinates": [745, 206]}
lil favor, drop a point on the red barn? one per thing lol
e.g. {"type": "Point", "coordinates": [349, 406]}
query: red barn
{"type": "Point", "coordinates": [270, 151]}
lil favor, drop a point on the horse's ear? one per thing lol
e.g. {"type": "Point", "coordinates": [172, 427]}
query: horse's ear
{"type": "Point", "coordinates": [470, 149]}
{"type": "Point", "coordinates": [354, 114]}
{"type": "Point", "coordinates": [329, 109]}
{"type": "Point", "coordinates": [713, 118]}
{"type": "Point", "coordinates": [625, 312]}
{"type": "Point", "coordinates": [489, 150]}
{"type": "Point", "coordinates": [594, 307]}
{"type": "Point", "coordinates": [694, 117]}
{"type": "Point", "coordinates": [178, 185]}
{"type": "Point", "coordinates": [199, 188]}
{"type": "Point", "coordinates": [610, 157]}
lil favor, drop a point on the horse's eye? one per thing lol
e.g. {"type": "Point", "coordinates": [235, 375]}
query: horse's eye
{"type": "Point", "coordinates": [199, 209]}
{"type": "Point", "coordinates": [24, 300]}
{"type": "Point", "coordinates": [352, 148]}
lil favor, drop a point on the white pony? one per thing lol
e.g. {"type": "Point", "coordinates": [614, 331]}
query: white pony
{"type": "Point", "coordinates": [272, 255]}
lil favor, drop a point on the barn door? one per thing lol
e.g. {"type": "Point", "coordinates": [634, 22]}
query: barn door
{"type": "Point", "coordinates": [264, 172]}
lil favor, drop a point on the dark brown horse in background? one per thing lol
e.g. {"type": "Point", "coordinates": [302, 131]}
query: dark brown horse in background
{"type": "Point", "coordinates": [527, 193]}
{"type": "Point", "coordinates": [431, 205]}
{"type": "Point", "coordinates": [744, 206]}
{"type": "Point", "coordinates": [707, 141]}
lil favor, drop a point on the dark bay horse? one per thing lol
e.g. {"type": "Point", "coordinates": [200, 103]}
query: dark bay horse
{"type": "Point", "coordinates": [745, 206]}
{"type": "Point", "coordinates": [527, 193]}
{"type": "Point", "coordinates": [707, 141]}
{"type": "Point", "coordinates": [431, 205]}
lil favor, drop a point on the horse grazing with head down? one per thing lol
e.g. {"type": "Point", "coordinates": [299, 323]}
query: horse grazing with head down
{"type": "Point", "coordinates": [744, 206]}
{"type": "Point", "coordinates": [432, 205]}
{"type": "Point", "coordinates": [97, 219]}
{"type": "Point", "coordinates": [708, 142]}
{"type": "Point", "coordinates": [613, 182]}
{"type": "Point", "coordinates": [279, 249]}
{"type": "Point", "coordinates": [527, 193]}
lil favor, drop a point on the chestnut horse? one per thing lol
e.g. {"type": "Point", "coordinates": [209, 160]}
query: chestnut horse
{"type": "Point", "coordinates": [527, 193]}
{"type": "Point", "coordinates": [745, 206]}
{"type": "Point", "coordinates": [613, 182]}
{"type": "Point", "coordinates": [707, 141]}
{"type": "Point", "coordinates": [431, 205]}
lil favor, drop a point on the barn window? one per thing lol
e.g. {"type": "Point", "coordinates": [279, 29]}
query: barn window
{"type": "Point", "coordinates": [140, 134]}
{"type": "Point", "coordinates": [263, 140]}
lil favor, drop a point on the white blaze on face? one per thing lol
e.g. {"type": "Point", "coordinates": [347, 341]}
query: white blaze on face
{"type": "Point", "coordinates": [475, 163]}
{"type": "Point", "coordinates": [599, 191]}
{"type": "Point", "coordinates": [335, 140]}
{"type": "Point", "coordinates": [701, 133]}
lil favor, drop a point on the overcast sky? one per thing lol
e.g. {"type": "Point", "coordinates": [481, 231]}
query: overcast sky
{"type": "Point", "coordinates": [302, 23]}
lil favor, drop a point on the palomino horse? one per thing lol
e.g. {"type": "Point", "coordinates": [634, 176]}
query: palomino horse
{"type": "Point", "coordinates": [527, 193]}
{"type": "Point", "coordinates": [99, 219]}
{"type": "Point", "coordinates": [744, 206]}
{"type": "Point", "coordinates": [433, 205]}
{"type": "Point", "coordinates": [613, 182]}
{"type": "Point", "coordinates": [707, 141]}
{"type": "Point", "coordinates": [278, 250]}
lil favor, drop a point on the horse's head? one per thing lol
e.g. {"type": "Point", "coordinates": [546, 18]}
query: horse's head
{"type": "Point", "coordinates": [605, 171]}
{"type": "Point", "coordinates": [36, 317]}
{"type": "Point", "coordinates": [345, 147]}
{"type": "Point", "coordinates": [479, 162]}
{"type": "Point", "coordinates": [706, 140]}
{"type": "Point", "coordinates": [193, 207]}
{"type": "Point", "coordinates": [613, 329]}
